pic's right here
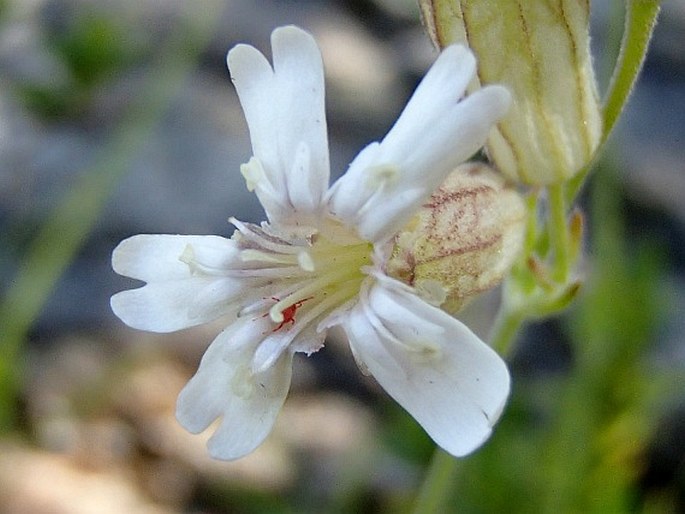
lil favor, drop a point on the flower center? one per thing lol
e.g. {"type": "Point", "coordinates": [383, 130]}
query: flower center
{"type": "Point", "coordinates": [310, 275]}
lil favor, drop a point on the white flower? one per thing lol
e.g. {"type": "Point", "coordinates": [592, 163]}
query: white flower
{"type": "Point", "coordinates": [319, 260]}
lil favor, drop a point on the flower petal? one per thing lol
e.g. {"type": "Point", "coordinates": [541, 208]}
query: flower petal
{"type": "Point", "coordinates": [444, 83]}
{"type": "Point", "coordinates": [170, 306]}
{"type": "Point", "coordinates": [224, 387]}
{"type": "Point", "coordinates": [451, 382]}
{"type": "Point", "coordinates": [434, 134]}
{"type": "Point", "coordinates": [185, 283]}
{"type": "Point", "coordinates": [158, 257]}
{"type": "Point", "coordinates": [285, 113]}
{"type": "Point", "coordinates": [298, 338]}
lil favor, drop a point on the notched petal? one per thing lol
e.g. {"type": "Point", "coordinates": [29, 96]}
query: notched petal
{"type": "Point", "coordinates": [456, 389]}
{"type": "Point", "coordinates": [285, 111]}
{"type": "Point", "coordinates": [156, 257]}
{"type": "Point", "coordinates": [436, 132]}
{"type": "Point", "coordinates": [186, 280]}
{"type": "Point", "coordinates": [225, 387]}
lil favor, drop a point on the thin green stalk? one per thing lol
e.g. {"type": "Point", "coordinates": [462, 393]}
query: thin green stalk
{"type": "Point", "coordinates": [640, 20]}
{"type": "Point", "coordinates": [558, 232]}
{"type": "Point", "coordinates": [434, 493]}
{"type": "Point", "coordinates": [507, 325]}
{"type": "Point", "coordinates": [66, 228]}
{"type": "Point", "coordinates": [442, 470]}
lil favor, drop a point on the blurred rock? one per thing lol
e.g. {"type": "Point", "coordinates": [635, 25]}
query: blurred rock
{"type": "Point", "coordinates": [325, 423]}
{"type": "Point", "coordinates": [33, 482]}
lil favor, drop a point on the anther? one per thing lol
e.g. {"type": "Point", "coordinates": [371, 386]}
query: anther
{"type": "Point", "coordinates": [305, 261]}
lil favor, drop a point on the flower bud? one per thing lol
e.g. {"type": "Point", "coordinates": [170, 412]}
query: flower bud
{"type": "Point", "coordinates": [540, 50]}
{"type": "Point", "coordinates": [463, 241]}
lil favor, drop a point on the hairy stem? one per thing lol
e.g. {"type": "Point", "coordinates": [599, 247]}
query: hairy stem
{"type": "Point", "coordinates": [640, 20]}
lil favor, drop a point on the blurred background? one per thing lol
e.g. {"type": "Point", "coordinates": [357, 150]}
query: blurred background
{"type": "Point", "coordinates": [118, 117]}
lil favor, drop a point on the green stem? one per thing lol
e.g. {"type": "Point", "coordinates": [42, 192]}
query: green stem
{"type": "Point", "coordinates": [436, 487]}
{"type": "Point", "coordinates": [442, 470]}
{"type": "Point", "coordinates": [558, 232]}
{"type": "Point", "coordinates": [640, 20]}
{"type": "Point", "coordinates": [507, 325]}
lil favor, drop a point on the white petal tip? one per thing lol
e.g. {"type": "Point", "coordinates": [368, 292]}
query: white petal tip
{"type": "Point", "coordinates": [238, 53]}
{"type": "Point", "coordinates": [291, 32]}
{"type": "Point", "coordinates": [498, 99]}
{"type": "Point", "coordinates": [465, 451]}
{"type": "Point", "coordinates": [124, 309]}
{"type": "Point", "coordinates": [461, 53]}
{"type": "Point", "coordinates": [188, 424]}
{"type": "Point", "coordinates": [217, 450]}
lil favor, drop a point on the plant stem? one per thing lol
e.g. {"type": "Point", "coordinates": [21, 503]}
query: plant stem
{"type": "Point", "coordinates": [442, 470]}
{"type": "Point", "coordinates": [434, 492]}
{"type": "Point", "coordinates": [558, 232]}
{"type": "Point", "coordinates": [640, 20]}
{"type": "Point", "coordinates": [507, 325]}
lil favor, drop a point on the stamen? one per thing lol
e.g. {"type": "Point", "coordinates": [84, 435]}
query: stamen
{"type": "Point", "coordinates": [188, 257]}
{"type": "Point", "coordinates": [330, 301]}
{"type": "Point", "coordinates": [305, 261]}
{"type": "Point", "coordinates": [251, 255]}
{"type": "Point", "coordinates": [382, 175]}
{"type": "Point", "coordinates": [432, 291]}
{"type": "Point", "coordinates": [327, 255]}
{"type": "Point", "coordinates": [276, 312]}
{"type": "Point", "coordinates": [322, 283]}
{"type": "Point", "coordinates": [379, 178]}
{"type": "Point", "coordinates": [242, 383]}
{"type": "Point", "coordinates": [316, 267]}
{"type": "Point", "coordinates": [253, 172]}
{"type": "Point", "coordinates": [259, 298]}
{"type": "Point", "coordinates": [263, 239]}
{"type": "Point", "coordinates": [421, 348]}
{"type": "Point", "coordinates": [275, 272]}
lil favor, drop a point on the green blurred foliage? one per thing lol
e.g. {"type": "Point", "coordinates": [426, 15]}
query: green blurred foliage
{"type": "Point", "coordinates": [92, 47]}
{"type": "Point", "coordinates": [575, 441]}
{"type": "Point", "coordinates": [404, 437]}
{"type": "Point", "coordinates": [53, 247]}
{"type": "Point", "coordinates": [216, 496]}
